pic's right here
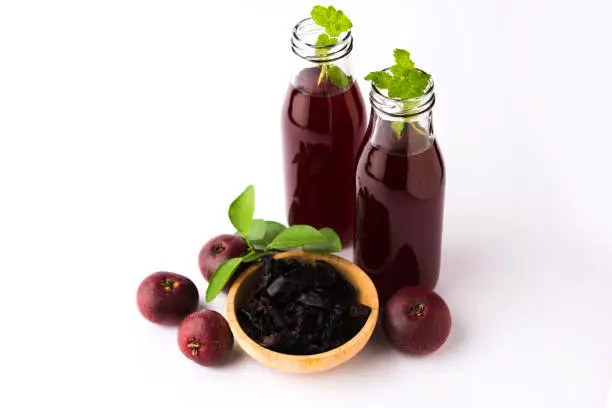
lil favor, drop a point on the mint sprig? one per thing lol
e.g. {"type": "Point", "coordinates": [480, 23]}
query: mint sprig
{"type": "Point", "coordinates": [266, 238]}
{"type": "Point", "coordinates": [335, 22]}
{"type": "Point", "coordinates": [407, 82]}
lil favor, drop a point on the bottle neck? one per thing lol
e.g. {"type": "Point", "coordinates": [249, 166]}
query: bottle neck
{"type": "Point", "coordinates": [320, 69]}
{"type": "Point", "coordinates": [402, 127]}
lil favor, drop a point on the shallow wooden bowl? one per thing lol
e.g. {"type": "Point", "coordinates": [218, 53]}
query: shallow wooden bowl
{"type": "Point", "coordinates": [366, 294]}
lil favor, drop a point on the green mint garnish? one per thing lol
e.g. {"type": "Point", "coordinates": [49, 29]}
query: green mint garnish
{"type": "Point", "coordinates": [267, 238]}
{"type": "Point", "coordinates": [407, 82]}
{"type": "Point", "coordinates": [335, 22]}
{"type": "Point", "coordinates": [324, 40]}
{"type": "Point", "coordinates": [402, 58]}
{"type": "Point", "coordinates": [398, 128]}
{"type": "Point", "coordinates": [381, 79]}
{"type": "Point", "coordinates": [338, 77]}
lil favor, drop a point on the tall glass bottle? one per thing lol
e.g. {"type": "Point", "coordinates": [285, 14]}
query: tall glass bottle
{"type": "Point", "coordinates": [400, 195]}
{"type": "Point", "coordinates": [323, 128]}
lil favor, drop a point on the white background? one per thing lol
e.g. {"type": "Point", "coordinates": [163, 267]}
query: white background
{"type": "Point", "coordinates": [127, 127]}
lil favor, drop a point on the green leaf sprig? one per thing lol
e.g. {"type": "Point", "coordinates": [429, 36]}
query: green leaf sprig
{"type": "Point", "coordinates": [407, 82]}
{"type": "Point", "coordinates": [266, 238]}
{"type": "Point", "coordinates": [335, 22]}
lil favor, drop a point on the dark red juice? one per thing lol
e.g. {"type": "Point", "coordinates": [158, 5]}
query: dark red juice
{"type": "Point", "coordinates": [323, 129]}
{"type": "Point", "coordinates": [400, 202]}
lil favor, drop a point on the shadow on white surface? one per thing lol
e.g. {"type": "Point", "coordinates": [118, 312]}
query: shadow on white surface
{"type": "Point", "coordinates": [236, 358]}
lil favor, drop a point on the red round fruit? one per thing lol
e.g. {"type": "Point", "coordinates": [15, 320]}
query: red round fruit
{"type": "Point", "coordinates": [218, 250]}
{"type": "Point", "coordinates": [416, 320]}
{"type": "Point", "coordinates": [166, 297]}
{"type": "Point", "coordinates": [205, 337]}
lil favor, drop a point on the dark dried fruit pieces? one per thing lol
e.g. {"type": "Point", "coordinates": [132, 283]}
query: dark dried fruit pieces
{"type": "Point", "coordinates": [205, 337]}
{"type": "Point", "coordinates": [166, 297]}
{"type": "Point", "coordinates": [301, 308]}
{"type": "Point", "coordinates": [416, 320]}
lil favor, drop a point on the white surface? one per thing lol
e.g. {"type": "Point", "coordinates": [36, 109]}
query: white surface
{"type": "Point", "coordinates": [126, 127]}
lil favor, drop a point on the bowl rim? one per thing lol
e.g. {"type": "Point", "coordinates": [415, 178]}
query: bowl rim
{"type": "Point", "coordinates": [367, 329]}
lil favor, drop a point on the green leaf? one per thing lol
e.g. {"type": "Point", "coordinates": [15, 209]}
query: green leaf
{"type": "Point", "coordinates": [241, 210]}
{"type": "Point", "coordinates": [339, 24]}
{"type": "Point", "coordinates": [410, 86]}
{"type": "Point", "coordinates": [399, 88]}
{"type": "Point", "coordinates": [255, 255]}
{"type": "Point", "coordinates": [407, 82]}
{"type": "Point", "coordinates": [380, 79]}
{"type": "Point", "coordinates": [257, 230]}
{"type": "Point", "coordinates": [402, 58]}
{"type": "Point", "coordinates": [335, 22]}
{"type": "Point", "coordinates": [273, 228]}
{"type": "Point", "coordinates": [221, 276]}
{"type": "Point", "coordinates": [338, 77]}
{"type": "Point", "coordinates": [324, 40]}
{"type": "Point", "coordinates": [398, 128]}
{"type": "Point", "coordinates": [330, 244]}
{"type": "Point", "coordinates": [400, 70]}
{"type": "Point", "coordinates": [319, 15]}
{"type": "Point", "coordinates": [420, 81]}
{"type": "Point", "coordinates": [296, 236]}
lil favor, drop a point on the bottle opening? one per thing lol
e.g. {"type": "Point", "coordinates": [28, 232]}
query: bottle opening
{"type": "Point", "coordinates": [402, 108]}
{"type": "Point", "coordinates": [304, 38]}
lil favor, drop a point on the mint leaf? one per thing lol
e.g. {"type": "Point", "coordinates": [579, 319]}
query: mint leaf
{"type": "Point", "coordinates": [338, 77]}
{"type": "Point", "coordinates": [398, 128]}
{"type": "Point", "coordinates": [420, 80]}
{"type": "Point", "coordinates": [400, 70]}
{"type": "Point", "coordinates": [241, 210]}
{"type": "Point", "coordinates": [330, 244]}
{"type": "Point", "coordinates": [380, 79]}
{"type": "Point", "coordinates": [221, 276]}
{"type": "Point", "coordinates": [324, 40]}
{"type": "Point", "coordinates": [257, 230]}
{"type": "Point", "coordinates": [296, 236]}
{"type": "Point", "coordinates": [319, 15]}
{"type": "Point", "coordinates": [399, 88]}
{"type": "Point", "coordinates": [335, 22]}
{"type": "Point", "coordinates": [402, 58]}
{"type": "Point", "coordinates": [339, 24]}
{"type": "Point", "coordinates": [255, 255]}
{"type": "Point", "coordinates": [407, 82]}
{"type": "Point", "coordinates": [410, 86]}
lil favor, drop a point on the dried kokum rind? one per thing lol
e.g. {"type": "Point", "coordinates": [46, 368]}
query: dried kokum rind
{"type": "Point", "coordinates": [300, 308]}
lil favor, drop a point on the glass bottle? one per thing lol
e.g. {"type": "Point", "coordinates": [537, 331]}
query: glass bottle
{"type": "Point", "coordinates": [400, 195]}
{"type": "Point", "coordinates": [323, 128]}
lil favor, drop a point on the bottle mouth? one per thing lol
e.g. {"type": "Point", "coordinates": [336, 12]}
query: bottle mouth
{"type": "Point", "coordinates": [304, 38]}
{"type": "Point", "coordinates": [403, 108]}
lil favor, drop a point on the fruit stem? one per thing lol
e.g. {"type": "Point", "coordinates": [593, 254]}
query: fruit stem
{"type": "Point", "coordinates": [416, 310]}
{"type": "Point", "coordinates": [217, 248]}
{"type": "Point", "coordinates": [169, 284]}
{"type": "Point", "coordinates": [323, 73]}
{"type": "Point", "coordinates": [194, 345]}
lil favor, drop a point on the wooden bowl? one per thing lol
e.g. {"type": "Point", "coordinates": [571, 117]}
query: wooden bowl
{"type": "Point", "coordinates": [366, 294]}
